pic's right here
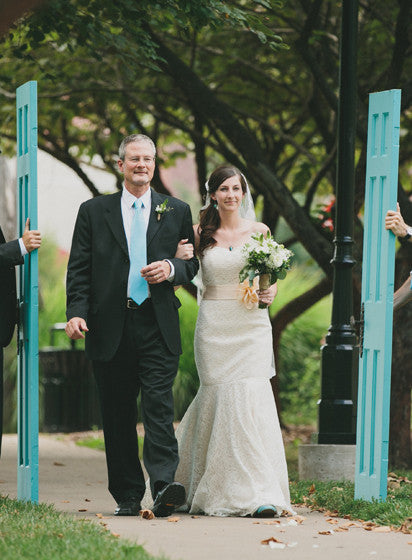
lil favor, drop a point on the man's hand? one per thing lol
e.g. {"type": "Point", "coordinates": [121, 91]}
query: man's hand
{"type": "Point", "coordinates": [184, 250]}
{"type": "Point", "coordinates": [395, 223]}
{"type": "Point", "coordinates": [75, 328]}
{"type": "Point", "coordinates": [156, 272]}
{"type": "Point", "coordinates": [31, 238]}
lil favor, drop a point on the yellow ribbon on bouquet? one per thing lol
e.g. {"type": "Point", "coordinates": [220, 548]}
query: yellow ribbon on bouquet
{"type": "Point", "coordinates": [248, 294]}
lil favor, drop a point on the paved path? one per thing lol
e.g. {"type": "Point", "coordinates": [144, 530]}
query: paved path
{"type": "Point", "coordinates": [73, 478]}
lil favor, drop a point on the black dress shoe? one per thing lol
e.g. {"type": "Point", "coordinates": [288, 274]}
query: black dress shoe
{"type": "Point", "coordinates": [128, 507]}
{"type": "Point", "coordinates": [169, 499]}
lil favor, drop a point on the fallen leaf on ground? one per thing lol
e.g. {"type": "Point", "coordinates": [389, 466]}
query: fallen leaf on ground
{"type": "Point", "coordinates": [299, 518]}
{"type": "Point", "coordinates": [65, 501]}
{"type": "Point", "coordinates": [195, 516]}
{"type": "Point", "coordinates": [393, 477]}
{"type": "Point", "coordinates": [271, 539]}
{"type": "Point", "coordinates": [406, 526]}
{"type": "Point", "coordinates": [312, 489]}
{"type": "Point", "coordinates": [325, 532]}
{"type": "Point", "coordinates": [333, 521]}
{"type": "Point", "coordinates": [368, 525]}
{"type": "Point", "coordinates": [351, 524]}
{"type": "Point", "coordinates": [382, 529]}
{"type": "Point", "coordinates": [173, 519]}
{"type": "Point", "coordinates": [147, 514]}
{"type": "Point", "coordinates": [329, 513]}
{"type": "Point", "coordinates": [273, 522]}
{"type": "Point", "coordinates": [341, 529]}
{"type": "Point", "coordinates": [117, 535]}
{"type": "Point", "coordinates": [82, 509]}
{"type": "Point", "coordinates": [87, 500]}
{"type": "Point", "coordinates": [99, 515]}
{"type": "Point", "coordinates": [57, 464]}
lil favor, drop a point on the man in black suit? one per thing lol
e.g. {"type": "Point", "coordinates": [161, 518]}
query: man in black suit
{"type": "Point", "coordinates": [11, 254]}
{"type": "Point", "coordinates": [134, 347]}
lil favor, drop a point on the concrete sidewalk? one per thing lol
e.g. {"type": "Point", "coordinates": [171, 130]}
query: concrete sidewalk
{"type": "Point", "coordinates": [73, 478]}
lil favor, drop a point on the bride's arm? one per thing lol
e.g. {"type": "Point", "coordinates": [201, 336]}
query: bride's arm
{"type": "Point", "coordinates": [184, 249]}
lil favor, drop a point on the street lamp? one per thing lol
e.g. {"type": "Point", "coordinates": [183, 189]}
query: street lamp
{"type": "Point", "coordinates": [337, 407]}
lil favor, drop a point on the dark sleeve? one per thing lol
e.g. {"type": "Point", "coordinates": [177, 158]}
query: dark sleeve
{"type": "Point", "coordinates": [185, 270]}
{"type": "Point", "coordinates": [79, 268]}
{"type": "Point", "coordinates": [10, 254]}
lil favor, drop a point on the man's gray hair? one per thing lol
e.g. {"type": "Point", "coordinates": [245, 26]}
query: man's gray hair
{"type": "Point", "coordinates": [134, 138]}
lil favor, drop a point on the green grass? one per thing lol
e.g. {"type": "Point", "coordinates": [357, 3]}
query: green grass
{"type": "Point", "coordinates": [338, 497]}
{"type": "Point", "coordinates": [96, 442]}
{"type": "Point", "coordinates": [40, 532]}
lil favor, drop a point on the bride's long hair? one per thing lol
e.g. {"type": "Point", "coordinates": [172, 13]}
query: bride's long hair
{"type": "Point", "coordinates": [209, 216]}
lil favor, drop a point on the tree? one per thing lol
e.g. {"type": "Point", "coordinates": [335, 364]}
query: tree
{"type": "Point", "coordinates": [216, 77]}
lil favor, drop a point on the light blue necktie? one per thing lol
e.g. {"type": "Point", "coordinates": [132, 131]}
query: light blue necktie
{"type": "Point", "coordinates": [138, 255]}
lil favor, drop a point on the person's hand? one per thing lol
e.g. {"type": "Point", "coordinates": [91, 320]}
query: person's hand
{"type": "Point", "coordinates": [156, 272]}
{"type": "Point", "coordinates": [267, 296]}
{"type": "Point", "coordinates": [75, 328]}
{"type": "Point", "coordinates": [31, 238]}
{"type": "Point", "coordinates": [184, 250]}
{"type": "Point", "coordinates": [395, 223]}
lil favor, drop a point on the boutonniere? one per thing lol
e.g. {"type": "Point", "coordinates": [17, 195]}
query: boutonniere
{"type": "Point", "coordinates": [162, 209]}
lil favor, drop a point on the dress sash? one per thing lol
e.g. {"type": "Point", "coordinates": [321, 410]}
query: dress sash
{"type": "Point", "coordinates": [243, 292]}
{"type": "Point", "coordinates": [228, 291]}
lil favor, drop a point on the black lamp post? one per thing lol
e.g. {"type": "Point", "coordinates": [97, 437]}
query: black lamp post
{"type": "Point", "coordinates": [337, 412]}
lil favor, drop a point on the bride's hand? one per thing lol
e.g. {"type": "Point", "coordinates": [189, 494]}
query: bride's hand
{"type": "Point", "coordinates": [267, 296]}
{"type": "Point", "coordinates": [184, 250]}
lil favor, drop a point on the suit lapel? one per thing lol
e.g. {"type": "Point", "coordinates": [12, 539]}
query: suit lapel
{"type": "Point", "coordinates": [154, 224]}
{"type": "Point", "coordinates": [113, 216]}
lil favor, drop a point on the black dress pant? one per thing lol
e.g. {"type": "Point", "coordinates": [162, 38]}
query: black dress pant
{"type": "Point", "coordinates": [142, 364]}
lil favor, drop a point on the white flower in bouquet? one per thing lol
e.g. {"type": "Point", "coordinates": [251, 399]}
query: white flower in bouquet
{"type": "Point", "coordinates": [265, 258]}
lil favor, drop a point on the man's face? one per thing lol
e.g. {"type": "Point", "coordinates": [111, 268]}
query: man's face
{"type": "Point", "coordinates": [138, 165]}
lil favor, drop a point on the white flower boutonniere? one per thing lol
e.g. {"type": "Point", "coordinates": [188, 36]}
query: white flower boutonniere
{"type": "Point", "coordinates": [162, 209]}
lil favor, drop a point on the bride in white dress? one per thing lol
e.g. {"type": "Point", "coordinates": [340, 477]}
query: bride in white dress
{"type": "Point", "coordinates": [232, 459]}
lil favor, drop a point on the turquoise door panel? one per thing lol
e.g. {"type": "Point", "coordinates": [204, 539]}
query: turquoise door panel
{"type": "Point", "coordinates": [28, 332]}
{"type": "Point", "coordinates": [372, 436]}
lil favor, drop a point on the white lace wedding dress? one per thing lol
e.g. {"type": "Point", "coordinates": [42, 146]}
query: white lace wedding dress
{"type": "Point", "coordinates": [230, 445]}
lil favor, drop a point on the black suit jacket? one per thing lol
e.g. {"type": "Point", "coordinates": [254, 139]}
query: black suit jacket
{"type": "Point", "coordinates": [98, 270]}
{"type": "Point", "coordinates": [10, 256]}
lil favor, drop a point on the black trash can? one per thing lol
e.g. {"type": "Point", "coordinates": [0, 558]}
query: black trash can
{"type": "Point", "coordinates": [69, 394]}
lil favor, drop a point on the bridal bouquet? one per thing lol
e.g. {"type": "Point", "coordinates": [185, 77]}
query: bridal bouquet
{"type": "Point", "coordinates": [264, 258]}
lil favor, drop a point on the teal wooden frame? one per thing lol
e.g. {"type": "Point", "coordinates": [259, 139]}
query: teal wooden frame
{"type": "Point", "coordinates": [28, 331]}
{"type": "Point", "coordinates": [372, 437]}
